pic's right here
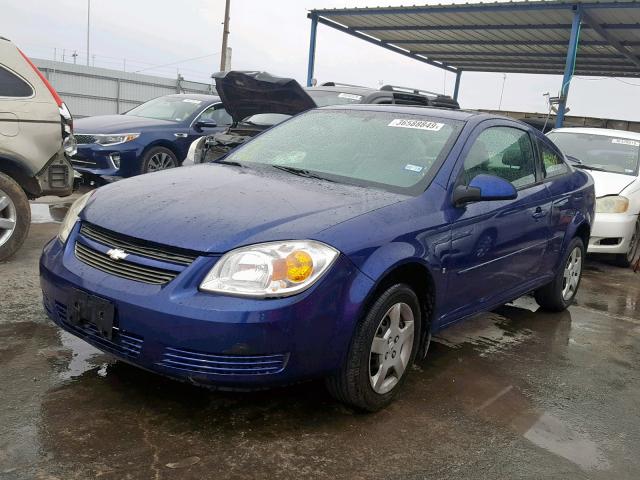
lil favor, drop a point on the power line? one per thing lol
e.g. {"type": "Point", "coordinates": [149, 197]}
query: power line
{"type": "Point", "coordinates": [176, 63]}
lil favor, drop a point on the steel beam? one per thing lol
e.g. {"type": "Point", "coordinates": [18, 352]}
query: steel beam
{"type": "Point", "coordinates": [375, 41]}
{"type": "Point", "coordinates": [551, 43]}
{"type": "Point", "coordinates": [456, 89]}
{"type": "Point", "coordinates": [570, 64]}
{"type": "Point", "coordinates": [312, 49]}
{"type": "Point", "coordinates": [612, 41]}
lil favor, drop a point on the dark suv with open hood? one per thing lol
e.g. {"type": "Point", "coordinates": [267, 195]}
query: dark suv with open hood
{"type": "Point", "coordinates": [258, 101]}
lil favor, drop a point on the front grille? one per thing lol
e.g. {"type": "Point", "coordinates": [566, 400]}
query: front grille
{"type": "Point", "coordinates": [83, 138]}
{"type": "Point", "coordinates": [205, 363]}
{"type": "Point", "coordinates": [130, 245]}
{"type": "Point", "coordinates": [120, 268]}
{"type": "Point", "coordinates": [122, 343]}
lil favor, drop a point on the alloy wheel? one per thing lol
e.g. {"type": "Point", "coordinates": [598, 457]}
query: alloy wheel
{"type": "Point", "coordinates": [572, 271]}
{"type": "Point", "coordinates": [161, 161]}
{"type": "Point", "coordinates": [391, 348]}
{"type": "Point", "coordinates": [8, 217]}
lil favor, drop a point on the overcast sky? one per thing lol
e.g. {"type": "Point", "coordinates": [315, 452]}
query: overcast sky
{"type": "Point", "coordinates": [273, 36]}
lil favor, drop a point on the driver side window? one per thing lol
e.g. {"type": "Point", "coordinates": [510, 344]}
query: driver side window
{"type": "Point", "coordinates": [216, 114]}
{"type": "Point", "coordinates": [504, 152]}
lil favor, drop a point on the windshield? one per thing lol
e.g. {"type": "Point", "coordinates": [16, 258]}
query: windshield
{"type": "Point", "coordinates": [395, 151]}
{"type": "Point", "coordinates": [325, 98]}
{"type": "Point", "coordinates": [171, 108]}
{"type": "Point", "coordinates": [602, 152]}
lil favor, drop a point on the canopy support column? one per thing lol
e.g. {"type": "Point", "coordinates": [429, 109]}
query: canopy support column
{"type": "Point", "coordinates": [570, 64]}
{"type": "Point", "coordinates": [456, 89]}
{"type": "Point", "coordinates": [312, 49]}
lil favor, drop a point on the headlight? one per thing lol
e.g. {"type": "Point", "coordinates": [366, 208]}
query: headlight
{"type": "Point", "coordinates": [70, 145]}
{"type": "Point", "coordinates": [276, 269]}
{"type": "Point", "coordinates": [72, 216]}
{"type": "Point", "coordinates": [612, 204]}
{"type": "Point", "coordinates": [108, 140]}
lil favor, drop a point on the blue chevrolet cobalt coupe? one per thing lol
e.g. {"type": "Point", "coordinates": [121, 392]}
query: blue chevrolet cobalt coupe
{"type": "Point", "coordinates": [333, 245]}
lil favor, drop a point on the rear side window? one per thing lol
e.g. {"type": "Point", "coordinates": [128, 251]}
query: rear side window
{"type": "Point", "coordinates": [504, 152]}
{"type": "Point", "coordinates": [12, 85]}
{"type": "Point", "coordinates": [552, 163]}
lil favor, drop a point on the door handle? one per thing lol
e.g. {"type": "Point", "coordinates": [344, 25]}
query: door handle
{"type": "Point", "coordinates": [539, 213]}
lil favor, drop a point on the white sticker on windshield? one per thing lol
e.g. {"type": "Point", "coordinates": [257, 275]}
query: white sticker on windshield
{"type": "Point", "coordinates": [413, 168]}
{"type": "Point", "coordinates": [191, 100]}
{"type": "Point", "coordinates": [420, 124]}
{"type": "Point", "coordinates": [350, 96]}
{"type": "Point", "coordinates": [624, 141]}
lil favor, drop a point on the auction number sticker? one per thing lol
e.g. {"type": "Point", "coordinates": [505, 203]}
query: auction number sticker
{"type": "Point", "coordinates": [191, 100]}
{"type": "Point", "coordinates": [349, 96]}
{"type": "Point", "coordinates": [419, 124]}
{"type": "Point", "coordinates": [623, 141]}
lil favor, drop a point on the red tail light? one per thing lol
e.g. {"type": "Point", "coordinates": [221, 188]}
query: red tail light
{"type": "Point", "coordinates": [56, 97]}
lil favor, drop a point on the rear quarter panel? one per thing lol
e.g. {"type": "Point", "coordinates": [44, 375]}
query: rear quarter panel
{"type": "Point", "coordinates": [36, 136]}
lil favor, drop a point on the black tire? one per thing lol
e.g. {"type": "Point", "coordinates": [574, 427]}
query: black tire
{"type": "Point", "coordinates": [626, 259]}
{"type": "Point", "coordinates": [550, 296]}
{"type": "Point", "coordinates": [152, 156]}
{"type": "Point", "coordinates": [20, 203]}
{"type": "Point", "coordinates": [352, 384]}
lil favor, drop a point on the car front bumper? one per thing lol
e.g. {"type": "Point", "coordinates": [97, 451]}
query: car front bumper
{"type": "Point", "coordinates": [612, 233]}
{"type": "Point", "coordinates": [97, 160]}
{"type": "Point", "coordinates": [209, 339]}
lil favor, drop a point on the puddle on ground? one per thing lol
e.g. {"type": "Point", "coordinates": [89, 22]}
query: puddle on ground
{"type": "Point", "coordinates": [552, 434]}
{"type": "Point", "coordinates": [49, 212]}
{"type": "Point", "coordinates": [84, 357]}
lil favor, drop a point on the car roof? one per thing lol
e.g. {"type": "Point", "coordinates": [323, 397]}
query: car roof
{"type": "Point", "coordinates": [446, 113]}
{"type": "Point", "coordinates": [605, 132]}
{"type": "Point", "coordinates": [196, 96]}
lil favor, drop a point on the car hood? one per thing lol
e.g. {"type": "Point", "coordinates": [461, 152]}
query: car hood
{"type": "Point", "coordinates": [117, 124]}
{"type": "Point", "coordinates": [607, 183]}
{"type": "Point", "coordinates": [215, 208]}
{"type": "Point", "coordinates": [247, 93]}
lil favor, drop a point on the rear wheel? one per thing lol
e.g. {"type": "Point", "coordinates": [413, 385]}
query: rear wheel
{"type": "Point", "coordinates": [158, 158]}
{"type": "Point", "coordinates": [382, 350]}
{"type": "Point", "coordinates": [558, 294]}
{"type": "Point", "coordinates": [15, 216]}
{"type": "Point", "coordinates": [626, 259]}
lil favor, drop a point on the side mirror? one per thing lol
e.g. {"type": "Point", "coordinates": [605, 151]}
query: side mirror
{"type": "Point", "coordinates": [484, 188]}
{"type": "Point", "coordinates": [200, 124]}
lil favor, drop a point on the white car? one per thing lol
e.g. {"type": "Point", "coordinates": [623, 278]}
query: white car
{"type": "Point", "coordinates": [611, 157]}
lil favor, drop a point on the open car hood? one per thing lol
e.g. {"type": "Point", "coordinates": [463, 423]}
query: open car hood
{"type": "Point", "coordinates": [247, 93]}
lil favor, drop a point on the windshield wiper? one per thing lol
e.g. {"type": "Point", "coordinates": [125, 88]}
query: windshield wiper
{"type": "Point", "coordinates": [589, 167]}
{"type": "Point", "coordinates": [574, 160]}
{"type": "Point", "coordinates": [301, 172]}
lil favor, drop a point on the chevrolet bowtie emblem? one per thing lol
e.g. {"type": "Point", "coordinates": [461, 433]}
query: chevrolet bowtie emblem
{"type": "Point", "coordinates": [117, 254]}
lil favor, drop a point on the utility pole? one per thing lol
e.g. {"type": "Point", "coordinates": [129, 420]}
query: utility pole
{"type": "Point", "coordinates": [88, 26]}
{"type": "Point", "coordinates": [225, 35]}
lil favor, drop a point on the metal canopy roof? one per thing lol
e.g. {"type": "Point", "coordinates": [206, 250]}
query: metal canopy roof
{"type": "Point", "coordinates": [514, 37]}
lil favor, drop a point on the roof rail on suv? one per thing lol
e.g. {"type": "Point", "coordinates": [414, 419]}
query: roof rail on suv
{"type": "Point", "coordinates": [433, 99]}
{"type": "Point", "coordinates": [338, 84]}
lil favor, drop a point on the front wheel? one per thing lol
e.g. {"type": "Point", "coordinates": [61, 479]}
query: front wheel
{"type": "Point", "coordinates": [558, 294]}
{"type": "Point", "coordinates": [382, 350]}
{"type": "Point", "coordinates": [158, 158]}
{"type": "Point", "coordinates": [15, 217]}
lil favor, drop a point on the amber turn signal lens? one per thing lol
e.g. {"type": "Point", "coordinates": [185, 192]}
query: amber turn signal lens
{"type": "Point", "coordinates": [299, 266]}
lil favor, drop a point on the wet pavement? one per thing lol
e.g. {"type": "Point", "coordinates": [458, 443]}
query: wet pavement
{"type": "Point", "coordinates": [510, 394]}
